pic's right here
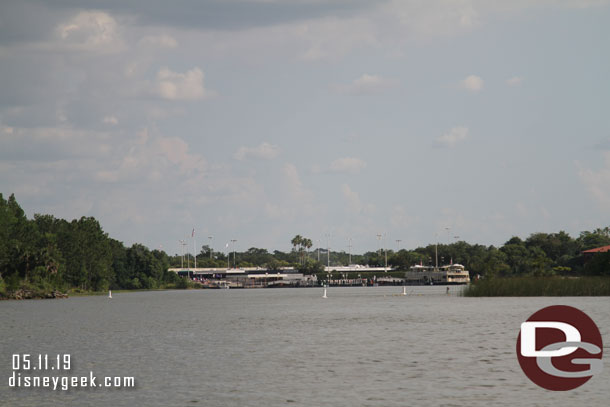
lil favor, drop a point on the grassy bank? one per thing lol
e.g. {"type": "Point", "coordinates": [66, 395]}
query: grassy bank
{"type": "Point", "coordinates": [539, 287]}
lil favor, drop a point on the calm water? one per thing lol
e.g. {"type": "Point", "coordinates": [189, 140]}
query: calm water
{"type": "Point", "coordinates": [289, 347]}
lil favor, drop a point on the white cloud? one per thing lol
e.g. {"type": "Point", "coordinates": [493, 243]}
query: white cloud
{"type": "Point", "coordinates": [598, 182]}
{"type": "Point", "coordinates": [161, 41]}
{"type": "Point", "coordinates": [472, 83]}
{"type": "Point", "coordinates": [91, 31]}
{"type": "Point", "coordinates": [431, 19]}
{"type": "Point", "coordinates": [514, 81]}
{"type": "Point", "coordinates": [264, 151]}
{"type": "Point", "coordinates": [366, 84]}
{"type": "Point", "coordinates": [48, 144]}
{"type": "Point", "coordinates": [294, 183]}
{"type": "Point", "coordinates": [355, 204]}
{"type": "Point", "coordinates": [453, 137]}
{"type": "Point", "coordinates": [181, 86]}
{"type": "Point", "coordinates": [293, 200]}
{"type": "Point", "coordinates": [331, 38]}
{"type": "Point", "coordinates": [150, 158]}
{"type": "Point", "coordinates": [353, 199]}
{"type": "Point", "coordinates": [110, 120]}
{"type": "Point", "coordinates": [114, 175]}
{"type": "Point", "coordinates": [350, 165]}
{"type": "Point", "coordinates": [401, 218]}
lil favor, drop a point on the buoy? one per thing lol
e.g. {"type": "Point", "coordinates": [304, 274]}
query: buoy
{"type": "Point", "coordinates": [404, 290]}
{"type": "Point", "coordinates": [324, 296]}
{"type": "Point", "coordinates": [109, 294]}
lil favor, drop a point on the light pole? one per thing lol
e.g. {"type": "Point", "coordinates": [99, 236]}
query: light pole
{"type": "Point", "coordinates": [385, 251]}
{"type": "Point", "coordinates": [379, 244]}
{"type": "Point", "coordinates": [188, 258]}
{"type": "Point", "coordinates": [328, 249]}
{"type": "Point", "coordinates": [233, 241]}
{"type": "Point", "coordinates": [436, 250]}
{"type": "Point", "coordinates": [194, 249]}
{"type": "Point", "coordinates": [398, 245]}
{"type": "Point", "coordinates": [448, 229]}
{"type": "Point", "coordinates": [182, 253]}
{"type": "Point", "coordinates": [350, 251]}
{"type": "Point", "coordinates": [210, 237]}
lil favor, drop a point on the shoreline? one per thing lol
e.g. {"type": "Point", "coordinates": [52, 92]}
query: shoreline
{"type": "Point", "coordinates": [28, 294]}
{"type": "Point", "coordinates": [591, 286]}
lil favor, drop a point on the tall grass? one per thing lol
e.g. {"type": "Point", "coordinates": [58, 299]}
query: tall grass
{"type": "Point", "coordinates": [539, 287]}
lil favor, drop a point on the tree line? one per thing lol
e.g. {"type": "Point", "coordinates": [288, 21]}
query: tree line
{"type": "Point", "coordinates": [52, 253]}
{"type": "Point", "coordinates": [47, 253]}
{"type": "Point", "coordinates": [541, 254]}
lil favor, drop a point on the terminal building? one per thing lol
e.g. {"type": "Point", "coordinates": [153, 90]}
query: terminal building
{"type": "Point", "coordinates": [257, 277]}
{"type": "Point", "coordinates": [248, 277]}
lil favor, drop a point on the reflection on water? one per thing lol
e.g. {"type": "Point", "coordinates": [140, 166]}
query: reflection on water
{"type": "Point", "coordinates": [366, 346]}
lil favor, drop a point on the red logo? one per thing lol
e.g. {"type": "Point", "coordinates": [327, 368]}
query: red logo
{"type": "Point", "coordinates": [559, 348]}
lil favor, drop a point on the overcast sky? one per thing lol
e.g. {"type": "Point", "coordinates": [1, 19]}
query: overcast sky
{"type": "Point", "coordinates": [256, 120]}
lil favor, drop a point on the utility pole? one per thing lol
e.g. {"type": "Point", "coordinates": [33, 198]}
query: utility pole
{"type": "Point", "coordinates": [210, 237]}
{"type": "Point", "coordinates": [182, 253]}
{"type": "Point", "coordinates": [328, 249]}
{"type": "Point", "coordinates": [385, 250]}
{"type": "Point", "coordinates": [233, 241]}
{"type": "Point", "coordinates": [350, 251]}
{"type": "Point", "coordinates": [436, 251]}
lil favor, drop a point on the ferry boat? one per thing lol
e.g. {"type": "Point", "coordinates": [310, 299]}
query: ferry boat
{"type": "Point", "coordinates": [443, 275]}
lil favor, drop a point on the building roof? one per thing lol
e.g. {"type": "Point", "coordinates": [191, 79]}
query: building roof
{"type": "Point", "coordinates": [598, 250]}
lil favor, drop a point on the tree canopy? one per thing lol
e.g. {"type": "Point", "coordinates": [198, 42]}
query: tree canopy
{"type": "Point", "coordinates": [56, 253]}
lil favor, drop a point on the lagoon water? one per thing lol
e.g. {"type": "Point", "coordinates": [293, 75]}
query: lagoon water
{"type": "Point", "coordinates": [364, 346]}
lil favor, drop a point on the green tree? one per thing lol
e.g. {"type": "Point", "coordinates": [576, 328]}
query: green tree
{"type": "Point", "coordinates": [592, 240]}
{"type": "Point", "coordinates": [311, 267]}
{"type": "Point", "coordinates": [598, 265]}
{"type": "Point", "coordinates": [517, 256]}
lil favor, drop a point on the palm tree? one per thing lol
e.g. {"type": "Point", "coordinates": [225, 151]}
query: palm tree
{"type": "Point", "coordinates": [307, 243]}
{"type": "Point", "coordinates": [297, 242]}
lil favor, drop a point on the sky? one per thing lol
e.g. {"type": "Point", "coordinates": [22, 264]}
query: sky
{"type": "Point", "coordinates": [257, 120]}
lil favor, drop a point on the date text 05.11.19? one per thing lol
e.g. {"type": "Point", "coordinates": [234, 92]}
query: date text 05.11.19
{"type": "Point", "coordinates": [28, 361]}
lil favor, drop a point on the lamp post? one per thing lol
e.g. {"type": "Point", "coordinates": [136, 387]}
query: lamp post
{"type": "Point", "coordinates": [233, 241]}
{"type": "Point", "coordinates": [182, 253]}
{"type": "Point", "coordinates": [436, 250]}
{"type": "Point", "coordinates": [385, 251]}
{"type": "Point", "coordinates": [188, 258]}
{"type": "Point", "coordinates": [350, 251]}
{"type": "Point", "coordinates": [328, 249]}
